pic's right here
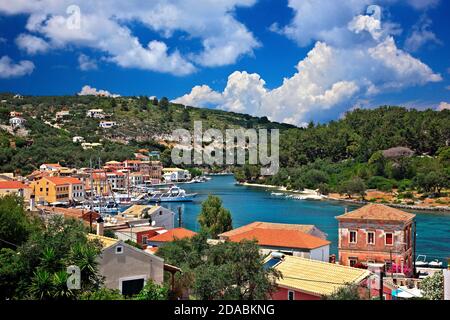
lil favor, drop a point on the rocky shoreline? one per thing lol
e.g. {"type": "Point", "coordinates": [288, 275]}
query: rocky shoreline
{"type": "Point", "coordinates": [445, 209]}
{"type": "Point", "coordinates": [394, 205]}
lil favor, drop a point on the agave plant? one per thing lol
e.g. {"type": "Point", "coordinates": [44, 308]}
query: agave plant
{"type": "Point", "coordinates": [50, 261]}
{"type": "Point", "coordinates": [42, 287]}
{"type": "Point", "coordinates": [85, 257]}
{"type": "Point", "coordinates": [60, 289]}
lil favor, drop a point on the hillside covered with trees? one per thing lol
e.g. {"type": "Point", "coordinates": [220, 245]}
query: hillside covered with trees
{"type": "Point", "coordinates": [385, 148]}
{"type": "Point", "coordinates": [141, 122]}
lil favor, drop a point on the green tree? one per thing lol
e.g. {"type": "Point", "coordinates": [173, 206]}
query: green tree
{"type": "Point", "coordinates": [224, 271]}
{"type": "Point", "coordinates": [214, 219]}
{"type": "Point", "coordinates": [185, 117]}
{"type": "Point", "coordinates": [15, 224]}
{"type": "Point", "coordinates": [102, 294]}
{"type": "Point", "coordinates": [11, 269]}
{"type": "Point", "coordinates": [164, 103]}
{"type": "Point", "coordinates": [37, 268]}
{"type": "Point", "coordinates": [433, 286]}
{"type": "Point", "coordinates": [353, 186]}
{"type": "Point", "coordinates": [153, 291]}
{"type": "Point", "coordinates": [347, 292]}
{"type": "Point", "coordinates": [195, 172]}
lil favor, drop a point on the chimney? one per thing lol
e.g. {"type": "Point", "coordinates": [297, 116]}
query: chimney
{"type": "Point", "coordinates": [100, 226]}
{"type": "Point", "coordinates": [32, 203]}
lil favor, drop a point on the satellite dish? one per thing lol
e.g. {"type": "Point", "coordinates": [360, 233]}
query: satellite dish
{"type": "Point", "coordinates": [153, 223]}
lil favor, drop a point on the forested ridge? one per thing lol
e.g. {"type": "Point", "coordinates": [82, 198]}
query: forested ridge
{"type": "Point", "coordinates": [384, 148]}
{"type": "Point", "coordinates": [141, 122]}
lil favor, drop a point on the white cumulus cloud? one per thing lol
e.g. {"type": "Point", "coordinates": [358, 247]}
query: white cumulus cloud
{"type": "Point", "coordinates": [423, 4]}
{"type": "Point", "coordinates": [444, 106]}
{"type": "Point", "coordinates": [421, 35]}
{"type": "Point", "coordinates": [104, 25]}
{"type": "Point", "coordinates": [32, 44]}
{"type": "Point", "coordinates": [200, 96]}
{"type": "Point", "coordinates": [10, 69]}
{"type": "Point", "coordinates": [332, 78]}
{"type": "Point", "coordinates": [85, 63]}
{"type": "Point", "coordinates": [89, 91]}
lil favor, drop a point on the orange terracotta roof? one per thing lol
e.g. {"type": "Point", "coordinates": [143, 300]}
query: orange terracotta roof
{"type": "Point", "coordinates": [38, 173]}
{"type": "Point", "coordinates": [12, 185]}
{"type": "Point", "coordinates": [83, 214]}
{"type": "Point", "coordinates": [63, 180]}
{"type": "Point", "coordinates": [306, 228]}
{"type": "Point", "coordinates": [277, 238]}
{"type": "Point", "coordinates": [171, 235]}
{"type": "Point", "coordinates": [377, 212]}
{"type": "Point", "coordinates": [133, 161]}
{"type": "Point", "coordinates": [99, 176]}
{"type": "Point", "coordinates": [57, 165]}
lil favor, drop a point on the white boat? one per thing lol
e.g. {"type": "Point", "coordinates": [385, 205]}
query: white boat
{"type": "Point", "coordinates": [174, 194]}
{"type": "Point", "coordinates": [104, 207]}
{"type": "Point", "coordinates": [277, 194]}
{"type": "Point", "coordinates": [127, 199]}
{"type": "Point", "coordinates": [435, 264]}
{"type": "Point", "coordinates": [421, 261]}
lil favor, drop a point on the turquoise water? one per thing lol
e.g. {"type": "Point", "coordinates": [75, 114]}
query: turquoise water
{"type": "Point", "coordinates": [249, 204]}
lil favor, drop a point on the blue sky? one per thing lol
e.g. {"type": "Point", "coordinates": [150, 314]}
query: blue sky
{"type": "Point", "coordinates": [294, 61]}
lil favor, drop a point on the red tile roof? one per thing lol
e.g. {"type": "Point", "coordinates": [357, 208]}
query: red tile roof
{"type": "Point", "coordinates": [171, 235]}
{"type": "Point", "coordinates": [12, 185]}
{"type": "Point", "coordinates": [378, 212]}
{"type": "Point", "coordinates": [280, 238]}
{"type": "Point", "coordinates": [63, 180]}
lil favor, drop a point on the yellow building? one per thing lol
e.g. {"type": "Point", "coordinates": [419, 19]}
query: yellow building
{"type": "Point", "coordinates": [52, 189]}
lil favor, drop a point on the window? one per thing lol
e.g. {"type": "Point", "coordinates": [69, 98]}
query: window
{"type": "Point", "coordinates": [352, 262]}
{"type": "Point", "coordinates": [132, 286]}
{"type": "Point", "coordinates": [352, 236]}
{"type": "Point", "coordinates": [389, 239]}
{"type": "Point", "coordinates": [291, 295]}
{"type": "Point", "coordinates": [119, 249]}
{"type": "Point", "coordinates": [370, 237]}
{"type": "Point", "coordinates": [144, 240]}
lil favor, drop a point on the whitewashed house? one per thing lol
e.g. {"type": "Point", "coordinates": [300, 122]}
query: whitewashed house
{"type": "Point", "coordinates": [176, 175]}
{"type": "Point", "coordinates": [107, 124]}
{"type": "Point", "coordinates": [17, 122]}
{"type": "Point", "coordinates": [62, 114]}
{"type": "Point", "coordinates": [96, 113]}
{"type": "Point", "coordinates": [77, 139]}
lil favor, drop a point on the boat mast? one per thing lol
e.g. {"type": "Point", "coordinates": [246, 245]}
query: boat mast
{"type": "Point", "coordinates": [91, 182]}
{"type": "Point", "coordinates": [101, 189]}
